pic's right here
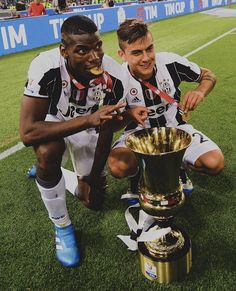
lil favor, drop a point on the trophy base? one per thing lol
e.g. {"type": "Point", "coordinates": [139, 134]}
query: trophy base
{"type": "Point", "coordinates": [170, 267]}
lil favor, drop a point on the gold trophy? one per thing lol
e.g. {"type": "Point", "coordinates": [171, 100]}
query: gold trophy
{"type": "Point", "coordinates": [160, 152]}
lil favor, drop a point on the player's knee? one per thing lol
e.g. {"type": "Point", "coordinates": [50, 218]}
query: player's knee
{"type": "Point", "coordinates": [214, 163]}
{"type": "Point", "coordinates": [119, 169]}
{"type": "Point", "coordinates": [114, 168]}
{"type": "Point", "coordinates": [50, 153]}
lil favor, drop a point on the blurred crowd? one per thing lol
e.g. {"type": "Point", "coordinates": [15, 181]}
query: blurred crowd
{"type": "Point", "coordinates": [20, 5]}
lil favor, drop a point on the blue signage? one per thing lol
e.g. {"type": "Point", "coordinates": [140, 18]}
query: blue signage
{"type": "Point", "coordinates": [31, 32]}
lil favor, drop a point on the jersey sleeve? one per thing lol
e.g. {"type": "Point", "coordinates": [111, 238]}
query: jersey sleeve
{"type": "Point", "coordinates": [186, 70]}
{"type": "Point", "coordinates": [120, 84]}
{"type": "Point", "coordinates": [35, 87]}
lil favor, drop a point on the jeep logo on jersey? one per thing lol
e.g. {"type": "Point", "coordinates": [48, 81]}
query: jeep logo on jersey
{"type": "Point", "coordinates": [133, 91]}
{"type": "Point", "coordinates": [156, 111]}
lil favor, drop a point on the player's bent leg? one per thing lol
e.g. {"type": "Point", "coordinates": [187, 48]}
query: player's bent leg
{"type": "Point", "coordinates": [51, 185]}
{"type": "Point", "coordinates": [49, 157]}
{"type": "Point", "coordinates": [123, 163]}
{"type": "Point", "coordinates": [210, 163]}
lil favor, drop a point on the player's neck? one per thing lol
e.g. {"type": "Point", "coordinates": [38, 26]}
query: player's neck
{"type": "Point", "coordinates": [75, 75]}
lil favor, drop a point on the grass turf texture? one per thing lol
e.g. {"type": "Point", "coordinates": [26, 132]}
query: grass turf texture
{"type": "Point", "coordinates": [27, 238]}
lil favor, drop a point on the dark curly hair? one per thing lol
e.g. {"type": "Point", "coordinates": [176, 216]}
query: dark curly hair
{"type": "Point", "coordinates": [78, 24]}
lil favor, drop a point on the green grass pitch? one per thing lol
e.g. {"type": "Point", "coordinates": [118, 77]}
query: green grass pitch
{"type": "Point", "coordinates": [27, 256]}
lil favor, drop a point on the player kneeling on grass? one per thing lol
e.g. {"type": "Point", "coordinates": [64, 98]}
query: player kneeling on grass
{"type": "Point", "coordinates": [61, 108]}
{"type": "Point", "coordinates": [154, 81]}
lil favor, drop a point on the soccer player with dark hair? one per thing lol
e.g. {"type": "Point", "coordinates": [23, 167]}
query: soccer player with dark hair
{"type": "Point", "coordinates": [152, 75]}
{"type": "Point", "coordinates": [62, 108]}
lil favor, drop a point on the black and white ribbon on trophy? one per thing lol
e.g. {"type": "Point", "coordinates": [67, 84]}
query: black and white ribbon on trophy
{"type": "Point", "coordinates": [142, 230]}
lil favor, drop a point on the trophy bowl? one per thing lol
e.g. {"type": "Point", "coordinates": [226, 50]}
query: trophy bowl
{"type": "Point", "coordinates": [160, 152]}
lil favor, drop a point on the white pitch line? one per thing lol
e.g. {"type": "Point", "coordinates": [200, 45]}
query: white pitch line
{"type": "Point", "coordinates": [11, 150]}
{"type": "Point", "coordinates": [210, 42]}
{"type": "Point", "coordinates": [20, 145]}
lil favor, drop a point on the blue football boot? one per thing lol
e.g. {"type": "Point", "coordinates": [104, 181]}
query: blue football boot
{"type": "Point", "coordinates": [32, 172]}
{"type": "Point", "coordinates": [67, 251]}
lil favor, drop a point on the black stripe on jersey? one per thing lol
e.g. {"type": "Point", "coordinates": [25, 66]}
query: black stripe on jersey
{"type": "Point", "coordinates": [185, 73]}
{"type": "Point", "coordinates": [51, 86]}
{"type": "Point", "coordinates": [179, 118]}
{"type": "Point", "coordinates": [94, 108]}
{"type": "Point", "coordinates": [158, 122]}
{"type": "Point", "coordinates": [150, 98]}
{"type": "Point", "coordinates": [116, 93]}
{"type": "Point", "coordinates": [179, 73]}
{"type": "Point", "coordinates": [177, 95]}
{"type": "Point", "coordinates": [174, 74]}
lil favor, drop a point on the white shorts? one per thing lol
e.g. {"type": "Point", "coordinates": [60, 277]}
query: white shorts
{"type": "Point", "coordinates": [200, 145]}
{"type": "Point", "coordinates": [81, 147]}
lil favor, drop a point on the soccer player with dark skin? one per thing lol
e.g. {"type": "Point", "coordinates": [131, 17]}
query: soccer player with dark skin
{"type": "Point", "coordinates": [61, 107]}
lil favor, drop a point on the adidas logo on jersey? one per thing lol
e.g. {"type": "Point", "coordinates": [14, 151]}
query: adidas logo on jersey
{"type": "Point", "coordinates": [136, 100]}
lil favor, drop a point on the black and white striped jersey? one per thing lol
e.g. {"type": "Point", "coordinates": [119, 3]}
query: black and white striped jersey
{"type": "Point", "coordinates": [170, 70]}
{"type": "Point", "coordinates": [48, 78]}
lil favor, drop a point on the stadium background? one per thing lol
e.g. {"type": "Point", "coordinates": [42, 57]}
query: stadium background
{"type": "Point", "coordinates": [27, 244]}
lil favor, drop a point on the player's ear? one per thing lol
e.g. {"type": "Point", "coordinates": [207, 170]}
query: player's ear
{"type": "Point", "coordinates": [121, 54]}
{"type": "Point", "coordinates": [63, 50]}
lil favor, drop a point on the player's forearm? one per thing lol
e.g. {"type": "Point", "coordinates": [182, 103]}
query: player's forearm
{"type": "Point", "coordinates": [45, 131]}
{"type": "Point", "coordinates": [102, 151]}
{"type": "Point", "coordinates": [206, 82]}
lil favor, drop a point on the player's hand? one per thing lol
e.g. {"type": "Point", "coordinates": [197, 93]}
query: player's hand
{"type": "Point", "coordinates": [139, 114]}
{"type": "Point", "coordinates": [105, 113]}
{"type": "Point", "coordinates": [90, 193]}
{"type": "Point", "coordinates": [191, 100]}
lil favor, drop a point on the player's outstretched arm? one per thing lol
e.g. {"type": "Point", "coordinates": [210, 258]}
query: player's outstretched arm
{"type": "Point", "coordinates": [34, 129]}
{"type": "Point", "coordinates": [192, 98]}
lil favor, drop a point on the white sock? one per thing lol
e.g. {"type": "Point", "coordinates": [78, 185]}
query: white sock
{"type": "Point", "coordinates": [71, 181]}
{"type": "Point", "coordinates": [55, 202]}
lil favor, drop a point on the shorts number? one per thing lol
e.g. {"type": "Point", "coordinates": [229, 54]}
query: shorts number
{"type": "Point", "coordinates": [200, 136]}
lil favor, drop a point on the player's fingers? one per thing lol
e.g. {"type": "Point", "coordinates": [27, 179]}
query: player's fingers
{"type": "Point", "coordinates": [184, 104]}
{"type": "Point", "coordinates": [105, 117]}
{"type": "Point", "coordinates": [190, 101]}
{"type": "Point", "coordinates": [111, 108]}
{"type": "Point", "coordinates": [144, 115]}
